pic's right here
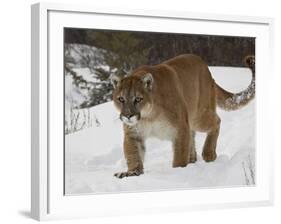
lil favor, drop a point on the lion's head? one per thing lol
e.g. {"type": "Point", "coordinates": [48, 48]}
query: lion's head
{"type": "Point", "coordinates": [132, 97]}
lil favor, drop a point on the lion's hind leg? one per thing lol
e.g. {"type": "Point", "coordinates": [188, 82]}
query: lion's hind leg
{"type": "Point", "coordinates": [209, 149]}
{"type": "Point", "coordinates": [210, 123]}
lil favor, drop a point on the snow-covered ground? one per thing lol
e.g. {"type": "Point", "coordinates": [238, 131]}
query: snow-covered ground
{"type": "Point", "coordinates": [94, 154]}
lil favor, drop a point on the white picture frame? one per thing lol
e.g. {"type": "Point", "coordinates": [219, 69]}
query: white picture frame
{"type": "Point", "coordinates": [47, 196]}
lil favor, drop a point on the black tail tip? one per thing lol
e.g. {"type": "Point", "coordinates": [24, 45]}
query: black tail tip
{"type": "Point", "coordinates": [250, 60]}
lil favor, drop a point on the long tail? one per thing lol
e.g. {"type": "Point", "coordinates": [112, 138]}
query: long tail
{"type": "Point", "coordinates": [233, 101]}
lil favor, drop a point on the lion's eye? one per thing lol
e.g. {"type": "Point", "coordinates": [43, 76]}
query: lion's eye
{"type": "Point", "coordinates": [138, 99]}
{"type": "Point", "coordinates": [121, 99]}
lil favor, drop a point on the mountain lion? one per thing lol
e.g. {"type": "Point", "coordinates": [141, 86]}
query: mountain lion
{"type": "Point", "coordinates": [172, 101]}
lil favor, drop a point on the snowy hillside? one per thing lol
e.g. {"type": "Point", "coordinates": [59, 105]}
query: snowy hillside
{"type": "Point", "coordinates": [86, 78]}
{"type": "Point", "coordinates": [94, 154]}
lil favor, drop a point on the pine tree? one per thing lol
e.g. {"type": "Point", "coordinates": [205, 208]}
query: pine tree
{"type": "Point", "coordinates": [122, 51]}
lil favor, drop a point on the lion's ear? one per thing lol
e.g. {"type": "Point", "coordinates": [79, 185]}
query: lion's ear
{"type": "Point", "coordinates": [115, 80]}
{"type": "Point", "coordinates": [148, 81]}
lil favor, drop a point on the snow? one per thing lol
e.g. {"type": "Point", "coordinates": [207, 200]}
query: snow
{"type": "Point", "coordinates": [73, 95]}
{"type": "Point", "coordinates": [94, 154]}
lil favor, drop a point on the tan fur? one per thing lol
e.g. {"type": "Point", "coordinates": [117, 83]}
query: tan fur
{"type": "Point", "coordinates": [177, 98]}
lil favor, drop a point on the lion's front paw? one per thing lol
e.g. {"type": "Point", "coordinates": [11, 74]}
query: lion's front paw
{"type": "Point", "coordinates": [209, 156]}
{"type": "Point", "coordinates": [128, 173]}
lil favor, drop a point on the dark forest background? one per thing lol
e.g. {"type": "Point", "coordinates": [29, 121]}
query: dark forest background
{"type": "Point", "coordinates": [106, 52]}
